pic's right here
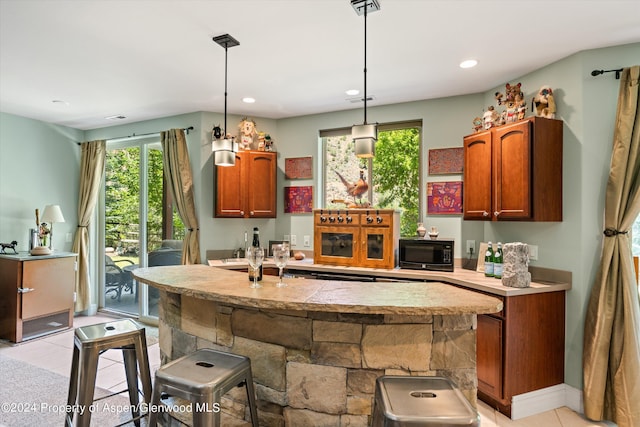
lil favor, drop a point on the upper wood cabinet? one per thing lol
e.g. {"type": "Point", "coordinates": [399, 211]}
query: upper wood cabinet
{"type": "Point", "coordinates": [514, 172]}
{"type": "Point", "coordinates": [248, 189]}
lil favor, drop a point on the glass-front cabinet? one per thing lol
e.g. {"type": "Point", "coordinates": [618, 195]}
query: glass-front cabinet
{"type": "Point", "coordinates": [356, 237]}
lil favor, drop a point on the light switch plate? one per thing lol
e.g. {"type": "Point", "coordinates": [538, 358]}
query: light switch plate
{"type": "Point", "coordinates": [307, 241]}
{"type": "Point", "coordinates": [294, 240]}
{"type": "Point", "coordinates": [533, 252]}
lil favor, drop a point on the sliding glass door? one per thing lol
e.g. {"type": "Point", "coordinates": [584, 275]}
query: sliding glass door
{"type": "Point", "coordinates": [138, 223]}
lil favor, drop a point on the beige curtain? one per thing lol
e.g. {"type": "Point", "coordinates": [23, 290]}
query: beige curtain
{"type": "Point", "coordinates": [177, 170]}
{"type": "Point", "coordinates": [611, 359]}
{"type": "Point", "coordinates": [91, 171]}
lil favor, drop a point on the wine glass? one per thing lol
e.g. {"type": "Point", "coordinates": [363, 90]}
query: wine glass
{"type": "Point", "coordinates": [281, 256]}
{"type": "Point", "coordinates": [255, 256]}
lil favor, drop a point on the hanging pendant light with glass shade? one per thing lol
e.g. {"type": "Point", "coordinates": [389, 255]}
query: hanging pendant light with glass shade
{"type": "Point", "coordinates": [224, 148]}
{"type": "Point", "coordinates": [365, 135]}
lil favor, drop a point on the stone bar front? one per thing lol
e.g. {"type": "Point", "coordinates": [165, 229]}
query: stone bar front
{"type": "Point", "coordinates": [317, 347]}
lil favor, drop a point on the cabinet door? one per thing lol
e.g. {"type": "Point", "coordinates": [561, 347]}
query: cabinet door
{"type": "Point", "coordinates": [512, 171]}
{"type": "Point", "coordinates": [261, 185]}
{"type": "Point", "coordinates": [477, 176]}
{"type": "Point", "coordinates": [51, 283]}
{"type": "Point", "coordinates": [336, 245]}
{"type": "Point", "coordinates": [230, 196]}
{"type": "Point", "coordinates": [489, 355]}
{"type": "Point", "coordinates": [376, 247]}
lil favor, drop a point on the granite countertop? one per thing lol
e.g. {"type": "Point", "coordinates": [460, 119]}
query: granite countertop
{"type": "Point", "coordinates": [548, 281]}
{"type": "Point", "coordinates": [401, 298]}
{"type": "Point", "coordinates": [26, 256]}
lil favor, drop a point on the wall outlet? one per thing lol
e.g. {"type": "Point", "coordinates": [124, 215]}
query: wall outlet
{"type": "Point", "coordinates": [533, 252]}
{"type": "Point", "coordinates": [307, 241]}
{"type": "Point", "coordinates": [294, 240]}
{"type": "Point", "coordinates": [471, 246]}
{"type": "Point", "coordinates": [286, 238]}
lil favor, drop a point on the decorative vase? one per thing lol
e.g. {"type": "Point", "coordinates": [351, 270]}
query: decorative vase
{"type": "Point", "coordinates": [421, 230]}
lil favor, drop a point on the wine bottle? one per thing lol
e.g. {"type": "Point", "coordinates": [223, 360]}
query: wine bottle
{"type": "Point", "coordinates": [498, 262]}
{"type": "Point", "coordinates": [255, 243]}
{"type": "Point", "coordinates": [488, 261]}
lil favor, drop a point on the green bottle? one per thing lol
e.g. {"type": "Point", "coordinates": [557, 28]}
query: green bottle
{"type": "Point", "coordinates": [488, 261]}
{"type": "Point", "coordinates": [497, 262]}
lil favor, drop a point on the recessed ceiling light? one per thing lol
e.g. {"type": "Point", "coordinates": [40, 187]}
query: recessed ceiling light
{"type": "Point", "coordinates": [60, 101]}
{"type": "Point", "coordinates": [248, 100]}
{"type": "Point", "coordinates": [352, 92]}
{"type": "Point", "coordinates": [116, 117]}
{"type": "Point", "coordinates": [469, 63]}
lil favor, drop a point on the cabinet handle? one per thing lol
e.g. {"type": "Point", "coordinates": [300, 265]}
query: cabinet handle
{"type": "Point", "coordinates": [485, 213]}
{"type": "Point", "coordinates": [496, 213]}
{"type": "Point", "coordinates": [242, 213]}
{"type": "Point", "coordinates": [25, 290]}
{"type": "Point", "coordinates": [251, 213]}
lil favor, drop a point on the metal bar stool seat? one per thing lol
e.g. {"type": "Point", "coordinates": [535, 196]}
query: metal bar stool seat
{"type": "Point", "coordinates": [91, 341]}
{"type": "Point", "coordinates": [404, 401]}
{"type": "Point", "coordinates": [203, 377]}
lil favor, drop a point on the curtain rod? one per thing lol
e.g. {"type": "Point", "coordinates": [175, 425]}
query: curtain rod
{"type": "Point", "coordinates": [142, 134]}
{"type": "Point", "coordinates": [598, 72]}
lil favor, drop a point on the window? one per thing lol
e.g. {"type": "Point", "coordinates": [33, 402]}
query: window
{"type": "Point", "coordinates": [392, 177]}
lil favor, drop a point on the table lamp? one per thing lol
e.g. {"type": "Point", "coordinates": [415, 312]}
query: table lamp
{"type": "Point", "coordinates": [51, 214]}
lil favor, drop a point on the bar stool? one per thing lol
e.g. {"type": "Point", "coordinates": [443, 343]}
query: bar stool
{"type": "Point", "coordinates": [421, 401]}
{"type": "Point", "coordinates": [202, 378]}
{"type": "Point", "coordinates": [89, 343]}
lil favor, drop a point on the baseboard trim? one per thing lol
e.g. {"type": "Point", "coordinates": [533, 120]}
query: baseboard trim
{"type": "Point", "coordinates": [546, 399]}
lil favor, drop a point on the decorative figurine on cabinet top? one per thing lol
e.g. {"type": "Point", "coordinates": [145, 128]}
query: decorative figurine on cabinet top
{"type": "Point", "coordinates": [478, 124]}
{"type": "Point", "coordinates": [513, 99]}
{"type": "Point", "coordinates": [11, 245]}
{"type": "Point", "coordinates": [248, 134]}
{"type": "Point", "coordinates": [543, 103]}
{"type": "Point", "coordinates": [490, 117]}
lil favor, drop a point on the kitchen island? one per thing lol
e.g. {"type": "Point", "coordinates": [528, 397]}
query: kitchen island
{"type": "Point", "coordinates": [317, 346]}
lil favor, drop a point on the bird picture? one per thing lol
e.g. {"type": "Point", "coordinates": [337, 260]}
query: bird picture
{"type": "Point", "coordinates": [356, 189]}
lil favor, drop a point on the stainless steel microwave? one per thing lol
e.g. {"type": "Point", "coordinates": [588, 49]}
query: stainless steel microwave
{"type": "Point", "coordinates": [426, 254]}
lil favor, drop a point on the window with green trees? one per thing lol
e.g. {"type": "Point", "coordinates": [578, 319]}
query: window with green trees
{"type": "Point", "coordinates": [122, 201]}
{"type": "Point", "coordinates": [392, 176]}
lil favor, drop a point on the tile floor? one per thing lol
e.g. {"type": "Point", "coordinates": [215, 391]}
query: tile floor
{"type": "Point", "coordinates": [54, 353]}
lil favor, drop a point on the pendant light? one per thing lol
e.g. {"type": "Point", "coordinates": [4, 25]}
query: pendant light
{"type": "Point", "coordinates": [365, 135]}
{"type": "Point", "coordinates": [224, 149]}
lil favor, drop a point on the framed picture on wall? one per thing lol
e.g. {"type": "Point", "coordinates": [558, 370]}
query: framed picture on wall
{"type": "Point", "coordinates": [444, 161]}
{"type": "Point", "coordinates": [444, 197]}
{"type": "Point", "coordinates": [298, 199]}
{"type": "Point", "coordinates": [298, 168]}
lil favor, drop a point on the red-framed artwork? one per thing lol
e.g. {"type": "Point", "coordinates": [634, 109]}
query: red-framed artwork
{"type": "Point", "coordinates": [298, 168]}
{"type": "Point", "coordinates": [444, 197]}
{"type": "Point", "coordinates": [298, 199]}
{"type": "Point", "coordinates": [443, 161]}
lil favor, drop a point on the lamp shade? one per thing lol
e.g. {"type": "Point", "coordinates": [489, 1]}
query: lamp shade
{"type": "Point", "coordinates": [52, 213]}
{"type": "Point", "coordinates": [365, 137]}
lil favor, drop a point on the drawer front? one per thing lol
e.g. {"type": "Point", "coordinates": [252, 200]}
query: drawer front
{"type": "Point", "coordinates": [373, 219]}
{"type": "Point", "coordinates": [336, 219]}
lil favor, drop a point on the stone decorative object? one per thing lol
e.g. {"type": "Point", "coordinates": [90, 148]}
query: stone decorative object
{"type": "Point", "coordinates": [421, 230]}
{"type": "Point", "coordinates": [516, 265]}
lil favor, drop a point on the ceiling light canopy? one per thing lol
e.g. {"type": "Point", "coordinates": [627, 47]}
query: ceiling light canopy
{"type": "Point", "coordinates": [365, 135]}
{"type": "Point", "coordinates": [224, 147]}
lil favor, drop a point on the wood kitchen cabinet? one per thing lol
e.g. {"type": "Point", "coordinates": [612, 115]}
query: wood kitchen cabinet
{"type": "Point", "coordinates": [514, 172]}
{"type": "Point", "coordinates": [521, 348]}
{"type": "Point", "coordinates": [356, 237]}
{"type": "Point", "coordinates": [248, 189]}
{"type": "Point", "coordinates": [36, 295]}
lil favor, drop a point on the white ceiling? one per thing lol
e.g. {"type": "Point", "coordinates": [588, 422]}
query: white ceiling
{"type": "Point", "coordinates": [146, 59]}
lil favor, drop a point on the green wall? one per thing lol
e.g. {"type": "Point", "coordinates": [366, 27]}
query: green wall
{"type": "Point", "coordinates": [39, 165]}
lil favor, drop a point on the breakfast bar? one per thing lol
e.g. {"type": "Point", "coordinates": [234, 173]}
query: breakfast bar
{"type": "Point", "coordinates": [317, 346]}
